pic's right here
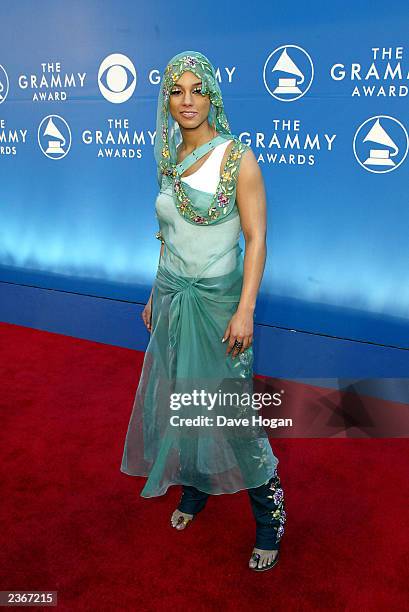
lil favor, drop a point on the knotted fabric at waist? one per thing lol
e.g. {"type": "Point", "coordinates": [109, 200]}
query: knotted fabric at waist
{"type": "Point", "coordinates": [189, 295]}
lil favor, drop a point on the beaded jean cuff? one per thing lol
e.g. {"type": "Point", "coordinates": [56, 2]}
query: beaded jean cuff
{"type": "Point", "coordinates": [267, 502]}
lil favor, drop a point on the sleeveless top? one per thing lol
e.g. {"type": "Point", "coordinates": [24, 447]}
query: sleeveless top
{"type": "Point", "coordinates": [190, 248]}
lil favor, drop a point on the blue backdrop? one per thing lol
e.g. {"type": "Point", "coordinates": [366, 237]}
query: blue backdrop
{"type": "Point", "coordinates": [320, 92]}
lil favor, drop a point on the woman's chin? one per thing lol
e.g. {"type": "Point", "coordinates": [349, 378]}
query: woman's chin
{"type": "Point", "coordinates": [188, 123]}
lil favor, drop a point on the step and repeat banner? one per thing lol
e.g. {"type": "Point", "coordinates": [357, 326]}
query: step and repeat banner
{"type": "Point", "coordinates": [319, 92]}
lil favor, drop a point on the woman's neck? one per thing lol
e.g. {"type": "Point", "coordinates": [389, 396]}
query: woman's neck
{"type": "Point", "coordinates": [192, 139]}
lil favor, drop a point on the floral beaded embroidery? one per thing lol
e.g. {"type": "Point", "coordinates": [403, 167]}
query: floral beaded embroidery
{"type": "Point", "coordinates": [279, 513]}
{"type": "Point", "coordinates": [223, 194]}
{"type": "Point", "coordinates": [264, 456]}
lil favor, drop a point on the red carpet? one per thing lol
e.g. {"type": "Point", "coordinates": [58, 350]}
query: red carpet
{"type": "Point", "coordinates": [73, 523]}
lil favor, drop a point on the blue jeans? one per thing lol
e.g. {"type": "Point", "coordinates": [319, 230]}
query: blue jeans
{"type": "Point", "coordinates": [267, 504]}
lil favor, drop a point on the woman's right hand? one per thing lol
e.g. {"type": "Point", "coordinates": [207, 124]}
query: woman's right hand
{"type": "Point", "coordinates": [147, 314]}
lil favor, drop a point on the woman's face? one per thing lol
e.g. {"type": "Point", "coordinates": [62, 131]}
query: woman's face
{"type": "Point", "coordinates": [186, 103]}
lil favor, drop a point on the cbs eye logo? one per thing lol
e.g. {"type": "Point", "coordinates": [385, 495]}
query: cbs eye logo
{"type": "Point", "coordinates": [4, 84]}
{"type": "Point", "coordinates": [117, 78]}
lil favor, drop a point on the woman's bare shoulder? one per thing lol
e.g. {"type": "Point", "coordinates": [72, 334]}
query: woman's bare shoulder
{"type": "Point", "coordinates": [249, 167]}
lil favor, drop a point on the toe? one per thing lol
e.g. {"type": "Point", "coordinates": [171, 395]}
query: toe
{"type": "Point", "coordinates": [253, 560]}
{"type": "Point", "coordinates": [275, 553]}
{"type": "Point", "coordinates": [262, 558]}
{"type": "Point", "coordinates": [175, 518]}
{"type": "Point", "coordinates": [182, 520]}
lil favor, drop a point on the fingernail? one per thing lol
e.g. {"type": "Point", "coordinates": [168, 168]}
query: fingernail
{"type": "Point", "coordinates": [223, 339]}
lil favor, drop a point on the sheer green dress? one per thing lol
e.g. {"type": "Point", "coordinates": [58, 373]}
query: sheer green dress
{"type": "Point", "coordinates": [196, 291]}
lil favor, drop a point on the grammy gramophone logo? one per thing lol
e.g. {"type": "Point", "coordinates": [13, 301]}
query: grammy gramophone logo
{"type": "Point", "coordinates": [54, 137]}
{"type": "Point", "coordinates": [288, 73]}
{"type": "Point", "coordinates": [4, 84]}
{"type": "Point", "coordinates": [381, 144]}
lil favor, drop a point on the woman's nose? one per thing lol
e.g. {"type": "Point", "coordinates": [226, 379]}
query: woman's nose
{"type": "Point", "coordinates": [187, 99]}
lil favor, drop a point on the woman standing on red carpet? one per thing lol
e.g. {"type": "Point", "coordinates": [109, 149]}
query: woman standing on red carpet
{"type": "Point", "coordinates": [200, 315]}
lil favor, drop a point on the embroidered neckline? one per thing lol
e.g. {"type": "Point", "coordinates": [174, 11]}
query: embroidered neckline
{"type": "Point", "coordinates": [221, 198]}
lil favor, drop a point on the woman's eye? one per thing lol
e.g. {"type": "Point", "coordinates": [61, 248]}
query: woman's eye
{"type": "Point", "coordinates": [177, 91]}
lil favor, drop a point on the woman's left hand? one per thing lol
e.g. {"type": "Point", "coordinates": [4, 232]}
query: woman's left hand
{"type": "Point", "coordinates": [240, 328]}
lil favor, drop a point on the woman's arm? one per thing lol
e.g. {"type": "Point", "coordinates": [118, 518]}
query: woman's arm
{"type": "Point", "coordinates": [251, 203]}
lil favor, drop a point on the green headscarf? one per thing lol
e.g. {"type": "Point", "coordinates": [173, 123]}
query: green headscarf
{"type": "Point", "coordinates": [165, 142]}
{"type": "Point", "coordinates": [166, 131]}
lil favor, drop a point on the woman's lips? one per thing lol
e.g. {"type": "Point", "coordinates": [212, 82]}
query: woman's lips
{"type": "Point", "coordinates": [188, 114]}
